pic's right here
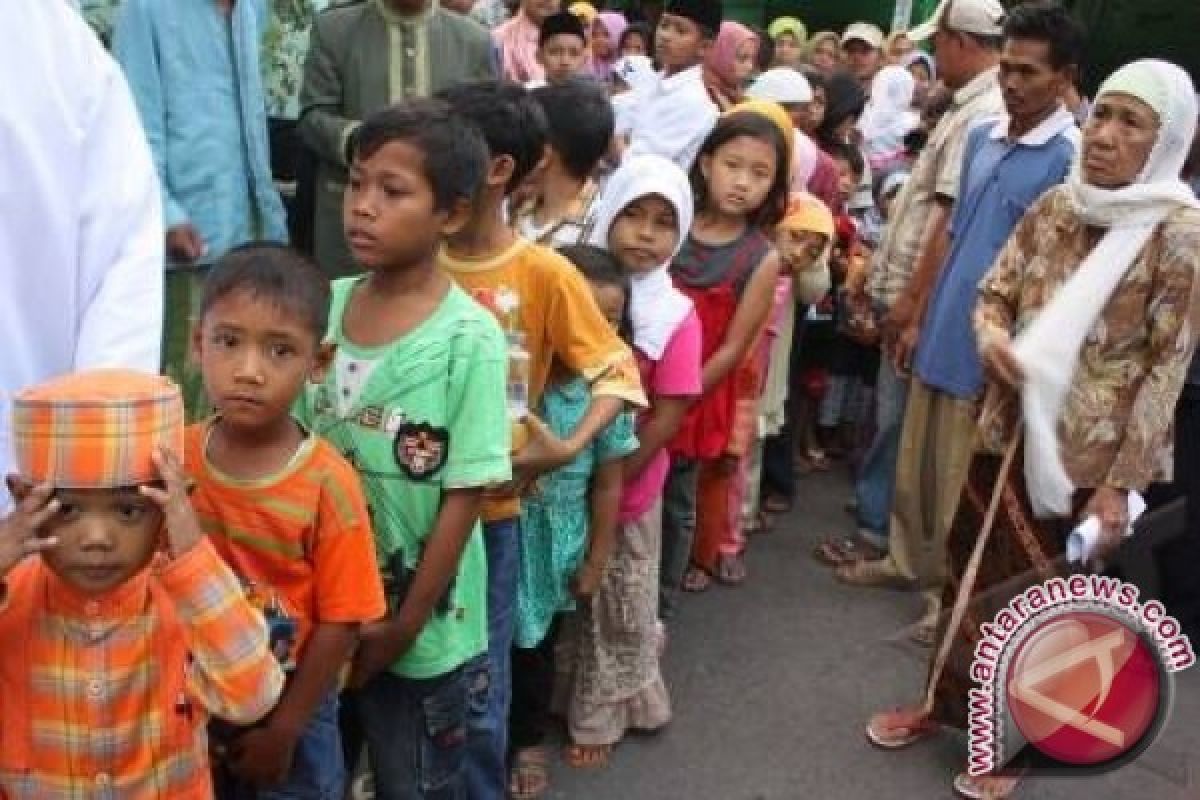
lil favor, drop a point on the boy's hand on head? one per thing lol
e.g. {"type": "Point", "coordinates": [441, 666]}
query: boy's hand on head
{"type": "Point", "coordinates": [263, 756]}
{"type": "Point", "coordinates": [543, 452]}
{"type": "Point", "coordinates": [20, 531]}
{"type": "Point", "coordinates": [183, 529]}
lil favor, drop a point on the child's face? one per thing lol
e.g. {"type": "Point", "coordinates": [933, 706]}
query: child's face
{"type": "Point", "coordinates": [105, 536]}
{"type": "Point", "coordinates": [744, 60]}
{"type": "Point", "coordinates": [787, 50]}
{"type": "Point", "coordinates": [634, 45]}
{"type": "Point", "coordinates": [602, 43]}
{"type": "Point", "coordinates": [562, 56]}
{"type": "Point", "coordinates": [645, 234]}
{"type": "Point", "coordinates": [739, 175]}
{"type": "Point", "coordinates": [388, 210]}
{"type": "Point", "coordinates": [847, 179]}
{"type": "Point", "coordinates": [679, 43]}
{"type": "Point", "coordinates": [800, 249]}
{"type": "Point", "coordinates": [922, 80]}
{"type": "Point", "coordinates": [255, 356]}
{"type": "Point", "coordinates": [815, 114]}
{"type": "Point", "coordinates": [611, 302]}
{"type": "Point", "coordinates": [826, 56]}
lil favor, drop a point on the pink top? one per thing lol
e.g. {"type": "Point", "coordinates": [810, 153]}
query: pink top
{"type": "Point", "coordinates": [676, 374]}
{"type": "Point", "coordinates": [517, 39]}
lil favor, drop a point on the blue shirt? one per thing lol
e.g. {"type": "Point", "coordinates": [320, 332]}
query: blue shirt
{"type": "Point", "coordinates": [1000, 179]}
{"type": "Point", "coordinates": [195, 76]}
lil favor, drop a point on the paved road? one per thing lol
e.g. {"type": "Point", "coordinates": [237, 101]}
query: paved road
{"type": "Point", "coordinates": [772, 682]}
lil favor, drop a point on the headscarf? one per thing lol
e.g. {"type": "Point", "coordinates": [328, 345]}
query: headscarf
{"type": "Point", "coordinates": [1048, 349]}
{"type": "Point", "coordinates": [774, 112]}
{"type": "Point", "coordinates": [585, 11]}
{"type": "Point", "coordinates": [795, 27]}
{"type": "Point", "coordinates": [720, 65]}
{"type": "Point", "coordinates": [656, 307]}
{"type": "Point", "coordinates": [614, 22]}
{"type": "Point", "coordinates": [844, 98]}
{"type": "Point", "coordinates": [807, 213]}
{"type": "Point", "coordinates": [805, 156]}
{"type": "Point", "coordinates": [817, 38]}
{"type": "Point", "coordinates": [889, 115]}
{"type": "Point", "coordinates": [924, 58]}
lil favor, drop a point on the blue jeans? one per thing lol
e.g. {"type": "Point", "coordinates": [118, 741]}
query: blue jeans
{"type": "Point", "coordinates": [317, 773]}
{"type": "Point", "coordinates": [877, 475]}
{"type": "Point", "coordinates": [487, 745]}
{"type": "Point", "coordinates": [416, 733]}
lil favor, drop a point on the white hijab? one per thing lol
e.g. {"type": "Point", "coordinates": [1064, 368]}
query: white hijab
{"type": "Point", "coordinates": [1048, 349]}
{"type": "Point", "coordinates": [889, 113]}
{"type": "Point", "coordinates": [656, 307]}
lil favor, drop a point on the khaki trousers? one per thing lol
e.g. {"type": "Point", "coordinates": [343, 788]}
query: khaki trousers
{"type": "Point", "coordinates": [936, 446]}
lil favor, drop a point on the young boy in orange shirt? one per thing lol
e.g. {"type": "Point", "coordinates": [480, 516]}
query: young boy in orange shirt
{"type": "Point", "coordinates": [285, 511]}
{"type": "Point", "coordinates": [122, 628]}
{"type": "Point", "coordinates": [546, 307]}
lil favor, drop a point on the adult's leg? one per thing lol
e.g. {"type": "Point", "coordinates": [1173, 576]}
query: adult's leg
{"type": "Point", "coordinates": [877, 476]}
{"type": "Point", "coordinates": [487, 751]}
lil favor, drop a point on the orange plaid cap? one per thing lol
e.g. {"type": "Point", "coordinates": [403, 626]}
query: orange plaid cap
{"type": "Point", "coordinates": [96, 429]}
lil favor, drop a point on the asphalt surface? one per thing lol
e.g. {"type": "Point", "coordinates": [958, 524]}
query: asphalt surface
{"type": "Point", "coordinates": [772, 682]}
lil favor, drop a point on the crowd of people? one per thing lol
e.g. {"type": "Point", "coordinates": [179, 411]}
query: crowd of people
{"type": "Point", "coordinates": [495, 331]}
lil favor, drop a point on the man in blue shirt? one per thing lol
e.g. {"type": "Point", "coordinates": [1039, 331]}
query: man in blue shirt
{"type": "Point", "coordinates": [1007, 164]}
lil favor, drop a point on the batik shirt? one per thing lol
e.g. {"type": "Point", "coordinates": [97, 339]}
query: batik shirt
{"type": "Point", "coordinates": [285, 46]}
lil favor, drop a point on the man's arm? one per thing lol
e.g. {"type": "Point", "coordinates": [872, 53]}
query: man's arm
{"type": "Point", "coordinates": [323, 125]}
{"type": "Point", "coordinates": [904, 322]}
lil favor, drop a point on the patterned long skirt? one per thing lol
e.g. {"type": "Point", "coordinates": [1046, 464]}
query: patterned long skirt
{"type": "Point", "coordinates": [1020, 551]}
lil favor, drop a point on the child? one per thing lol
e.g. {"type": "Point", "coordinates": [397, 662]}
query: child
{"type": "Point", "coordinates": [283, 509]}
{"type": "Point", "coordinates": [568, 532]}
{"type": "Point", "coordinates": [123, 629]}
{"type": "Point", "coordinates": [888, 118]}
{"type": "Point", "coordinates": [729, 270]}
{"type": "Point", "coordinates": [803, 240]}
{"type": "Point", "coordinates": [635, 41]}
{"type": "Point", "coordinates": [517, 40]}
{"type": "Point", "coordinates": [562, 50]}
{"type": "Point", "coordinates": [579, 127]}
{"type": "Point", "coordinates": [607, 31]}
{"type": "Point", "coordinates": [415, 401]}
{"type": "Point", "coordinates": [674, 117]}
{"type": "Point", "coordinates": [729, 64]}
{"type": "Point", "coordinates": [632, 78]}
{"type": "Point", "coordinates": [789, 35]}
{"type": "Point", "coordinates": [547, 310]}
{"type": "Point", "coordinates": [609, 677]}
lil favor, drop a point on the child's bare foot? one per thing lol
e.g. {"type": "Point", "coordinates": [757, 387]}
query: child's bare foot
{"type": "Point", "coordinates": [530, 776]}
{"type": "Point", "coordinates": [583, 756]}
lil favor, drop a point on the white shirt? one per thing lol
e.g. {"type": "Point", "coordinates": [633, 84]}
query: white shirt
{"type": "Point", "coordinates": [81, 244]}
{"type": "Point", "coordinates": [673, 118]}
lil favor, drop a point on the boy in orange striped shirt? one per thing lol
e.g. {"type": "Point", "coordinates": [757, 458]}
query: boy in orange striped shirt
{"type": "Point", "coordinates": [285, 511]}
{"type": "Point", "coordinates": [122, 628]}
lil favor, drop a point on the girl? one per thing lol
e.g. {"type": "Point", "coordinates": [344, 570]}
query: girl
{"type": "Point", "coordinates": [888, 118]}
{"type": "Point", "coordinates": [824, 51]}
{"type": "Point", "coordinates": [729, 269]}
{"type": "Point", "coordinates": [921, 66]}
{"type": "Point", "coordinates": [730, 63]}
{"type": "Point", "coordinates": [635, 41]}
{"type": "Point", "coordinates": [789, 35]}
{"type": "Point", "coordinates": [897, 47]}
{"type": "Point", "coordinates": [606, 32]}
{"type": "Point", "coordinates": [566, 542]}
{"type": "Point", "coordinates": [609, 678]}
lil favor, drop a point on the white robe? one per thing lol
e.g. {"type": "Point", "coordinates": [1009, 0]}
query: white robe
{"type": "Point", "coordinates": [81, 233]}
{"type": "Point", "coordinates": [672, 118]}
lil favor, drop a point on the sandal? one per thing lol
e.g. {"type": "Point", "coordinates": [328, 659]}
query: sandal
{"type": "Point", "coordinates": [583, 756]}
{"type": "Point", "coordinates": [985, 787]}
{"type": "Point", "coordinates": [899, 728]}
{"type": "Point", "coordinates": [731, 570]}
{"type": "Point", "coordinates": [776, 504]}
{"type": "Point", "coordinates": [838, 550]}
{"type": "Point", "coordinates": [695, 580]}
{"type": "Point", "coordinates": [878, 574]}
{"type": "Point", "coordinates": [529, 777]}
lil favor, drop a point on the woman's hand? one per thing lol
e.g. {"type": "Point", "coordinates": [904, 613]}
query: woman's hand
{"type": "Point", "coordinates": [999, 361]}
{"type": "Point", "coordinates": [1111, 507]}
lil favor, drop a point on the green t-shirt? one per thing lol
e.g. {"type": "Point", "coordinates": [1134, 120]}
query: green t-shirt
{"type": "Point", "coordinates": [431, 416]}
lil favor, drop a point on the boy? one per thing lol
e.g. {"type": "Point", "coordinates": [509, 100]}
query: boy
{"type": "Point", "coordinates": [675, 117]}
{"type": "Point", "coordinates": [283, 509]}
{"type": "Point", "coordinates": [546, 306]}
{"type": "Point", "coordinates": [516, 40]}
{"type": "Point", "coordinates": [112, 663]}
{"type": "Point", "coordinates": [415, 400]}
{"type": "Point", "coordinates": [562, 49]}
{"type": "Point", "coordinates": [579, 127]}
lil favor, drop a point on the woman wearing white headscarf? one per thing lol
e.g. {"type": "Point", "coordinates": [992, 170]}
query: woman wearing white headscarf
{"type": "Point", "coordinates": [888, 118]}
{"type": "Point", "coordinates": [607, 657]}
{"type": "Point", "coordinates": [1085, 326]}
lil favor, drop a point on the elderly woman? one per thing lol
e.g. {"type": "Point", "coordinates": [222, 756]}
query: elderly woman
{"type": "Point", "coordinates": [1084, 325]}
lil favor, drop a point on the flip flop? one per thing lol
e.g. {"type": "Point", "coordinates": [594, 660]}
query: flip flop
{"type": "Point", "coordinates": [900, 728]}
{"type": "Point", "coordinates": [695, 580]}
{"type": "Point", "coordinates": [731, 570]}
{"type": "Point", "coordinates": [529, 778]}
{"type": "Point", "coordinates": [985, 787]}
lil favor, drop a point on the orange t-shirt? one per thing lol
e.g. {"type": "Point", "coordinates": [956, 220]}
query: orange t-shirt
{"type": "Point", "coordinates": [302, 537]}
{"type": "Point", "coordinates": [535, 291]}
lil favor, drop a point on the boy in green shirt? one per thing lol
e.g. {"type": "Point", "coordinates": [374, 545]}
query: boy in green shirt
{"type": "Point", "coordinates": [416, 401]}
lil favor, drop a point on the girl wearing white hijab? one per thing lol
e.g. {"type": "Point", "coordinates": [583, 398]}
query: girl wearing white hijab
{"type": "Point", "coordinates": [1085, 326]}
{"type": "Point", "coordinates": [610, 681]}
{"type": "Point", "coordinates": [888, 118]}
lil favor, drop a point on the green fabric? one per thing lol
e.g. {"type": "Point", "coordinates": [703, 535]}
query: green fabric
{"type": "Point", "coordinates": [448, 373]}
{"type": "Point", "coordinates": [555, 519]}
{"type": "Point", "coordinates": [182, 291]}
